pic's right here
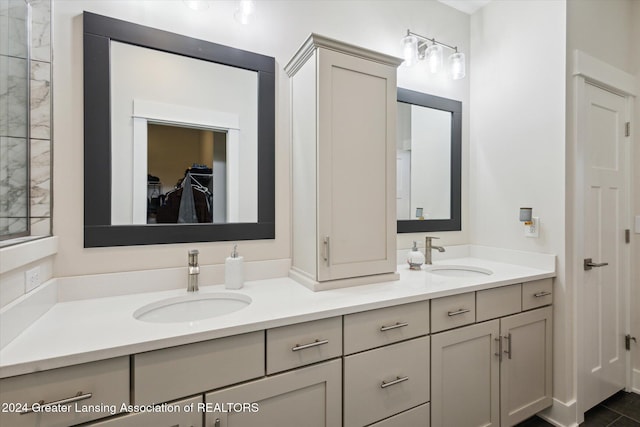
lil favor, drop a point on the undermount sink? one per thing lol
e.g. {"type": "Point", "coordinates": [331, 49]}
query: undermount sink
{"type": "Point", "coordinates": [459, 271]}
{"type": "Point", "coordinates": [192, 307]}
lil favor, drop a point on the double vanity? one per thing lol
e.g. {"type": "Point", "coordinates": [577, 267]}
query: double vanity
{"type": "Point", "coordinates": [398, 353]}
{"type": "Point", "coordinates": [465, 341]}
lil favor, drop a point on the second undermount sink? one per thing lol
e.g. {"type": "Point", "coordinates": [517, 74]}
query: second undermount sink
{"type": "Point", "coordinates": [459, 271]}
{"type": "Point", "coordinates": [192, 307]}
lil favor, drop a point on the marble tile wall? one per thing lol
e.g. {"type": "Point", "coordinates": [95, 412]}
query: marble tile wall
{"type": "Point", "coordinates": [25, 83]}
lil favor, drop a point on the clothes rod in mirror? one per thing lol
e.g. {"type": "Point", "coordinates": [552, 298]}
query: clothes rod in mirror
{"type": "Point", "coordinates": [416, 47]}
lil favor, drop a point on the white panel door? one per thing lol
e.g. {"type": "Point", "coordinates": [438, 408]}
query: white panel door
{"type": "Point", "coordinates": [605, 219]}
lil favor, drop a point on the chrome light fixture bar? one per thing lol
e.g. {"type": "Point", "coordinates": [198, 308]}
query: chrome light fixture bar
{"type": "Point", "coordinates": [416, 47]}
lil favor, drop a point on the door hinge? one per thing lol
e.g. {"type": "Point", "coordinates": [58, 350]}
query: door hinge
{"type": "Point", "coordinates": [627, 236]}
{"type": "Point", "coordinates": [627, 341]}
{"type": "Point", "coordinates": [627, 129]}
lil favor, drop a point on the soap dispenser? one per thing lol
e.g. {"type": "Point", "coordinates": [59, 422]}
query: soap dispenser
{"type": "Point", "coordinates": [415, 258]}
{"type": "Point", "coordinates": [234, 270]}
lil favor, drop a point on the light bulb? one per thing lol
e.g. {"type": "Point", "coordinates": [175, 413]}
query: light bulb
{"type": "Point", "coordinates": [410, 49]}
{"type": "Point", "coordinates": [456, 62]}
{"type": "Point", "coordinates": [197, 4]}
{"type": "Point", "coordinates": [245, 11]}
{"type": "Point", "coordinates": [433, 55]}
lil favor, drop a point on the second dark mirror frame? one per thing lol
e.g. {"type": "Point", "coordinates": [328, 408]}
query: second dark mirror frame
{"type": "Point", "coordinates": [98, 32]}
{"type": "Point", "coordinates": [455, 108]}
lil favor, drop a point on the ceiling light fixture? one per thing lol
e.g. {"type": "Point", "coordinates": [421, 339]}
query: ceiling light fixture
{"type": "Point", "coordinates": [197, 5]}
{"type": "Point", "coordinates": [245, 11]}
{"type": "Point", "coordinates": [416, 47]}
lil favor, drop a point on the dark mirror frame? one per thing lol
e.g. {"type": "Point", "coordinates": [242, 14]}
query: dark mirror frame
{"type": "Point", "coordinates": [98, 31]}
{"type": "Point", "coordinates": [455, 108]}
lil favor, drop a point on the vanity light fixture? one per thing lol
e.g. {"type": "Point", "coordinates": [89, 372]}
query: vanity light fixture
{"type": "Point", "coordinates": [245, 11]}
{"type": "Point", "coordinates": [416, 47]}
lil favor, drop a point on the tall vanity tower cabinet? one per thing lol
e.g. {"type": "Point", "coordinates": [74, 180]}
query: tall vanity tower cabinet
{"type": "Point", "coordinates": [343, 127]}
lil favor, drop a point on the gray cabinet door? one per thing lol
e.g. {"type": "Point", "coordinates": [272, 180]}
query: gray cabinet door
{"type": "Point", "coordinates": [465, 376]}
{"type": "Point", "coordinates": [309, 397]}
{"type": "Point", "coordinates": [356, 166]}
{"type": "Point", "coordinates": [525, 373]}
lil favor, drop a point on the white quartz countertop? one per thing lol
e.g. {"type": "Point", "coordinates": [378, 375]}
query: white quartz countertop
{"type": "Point", "coordinates": [93, 329]}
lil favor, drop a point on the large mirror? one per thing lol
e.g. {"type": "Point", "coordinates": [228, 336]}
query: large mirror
{"type": "Point", "coordinates": [428, 154]}
{"type": "Point", "coordinates": [179, 138]}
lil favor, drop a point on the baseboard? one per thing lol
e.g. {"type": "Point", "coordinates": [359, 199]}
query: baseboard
{"type": "Point", "coordinates": [560, 414]}
{"type": "Point", "coordinates": [635, 381]}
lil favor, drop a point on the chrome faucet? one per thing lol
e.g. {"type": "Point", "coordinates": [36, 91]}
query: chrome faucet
{"type": "Point", "coordinates": [194, 271]}
{"type": "Point", "coordinates": [428, 247]}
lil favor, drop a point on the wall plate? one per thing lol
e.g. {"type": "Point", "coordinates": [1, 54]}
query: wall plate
{"type": "Point", "coordinates": [533, 230]}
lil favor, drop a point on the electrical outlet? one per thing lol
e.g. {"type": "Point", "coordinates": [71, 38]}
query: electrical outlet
{"type": "Point", "coordinates": [533, 230]}
{"type": "Point", "coordinates": [31, 279]}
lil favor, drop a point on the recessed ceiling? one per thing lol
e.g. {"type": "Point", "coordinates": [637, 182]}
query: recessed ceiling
{"type": "Point", "coordinates": [466, 6]}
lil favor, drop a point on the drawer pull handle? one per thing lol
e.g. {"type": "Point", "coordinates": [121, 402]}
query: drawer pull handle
{"type": "Point", "coordinates": [316, 343]}
{"type": "Point", "coordinates": [541, 294]}
{"type": "Point", "coordinates": [396, 326]}
{"type": "Point", "coordinates": [78, 397]}
{"type": "Point", "coordinates": [327, 250]}
{"type": "Point", "coordinates": [508, 350]}
{"type": "Point", "coordinates": [455, 313]}
{"type": "Point", "coordinates": [498, 348]}
{"type": "Point", "coordinates": [398, 380]}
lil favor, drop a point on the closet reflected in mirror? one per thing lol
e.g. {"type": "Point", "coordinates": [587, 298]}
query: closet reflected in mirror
{"type": "Point", "coordinates": [186, 176]}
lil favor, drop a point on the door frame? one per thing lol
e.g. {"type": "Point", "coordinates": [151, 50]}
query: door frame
{"type": "Point", "coordinates": [589, 70]}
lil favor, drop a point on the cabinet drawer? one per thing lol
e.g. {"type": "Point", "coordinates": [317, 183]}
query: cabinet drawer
{"type": "Point", "coordinates": [297, 345]}
{"type": "Point", "coordinates": [177, 417]}
{"type": "Point", "coordinates": [385, 381]}
{"type": "Point", "coordinates": [305, 397]}
{"type": "Point", "coordinates": [100, 387]}
{"type": "Point", "coordinates": [416, 417]}
{"type": "Point", "coordinates": [537, 293]}
{"type": "Point", "coordinates": [375, 328]}
{"type": "Point", "coordinates": [451, 312]}
{"type": "Point", "coordinates": [498, 302]}
{"type": "Point", "coordinates": [172, 373]}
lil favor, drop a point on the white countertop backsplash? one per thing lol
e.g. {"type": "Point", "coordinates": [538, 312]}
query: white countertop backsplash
{"type": "Point", "coordinates": [75, 320]}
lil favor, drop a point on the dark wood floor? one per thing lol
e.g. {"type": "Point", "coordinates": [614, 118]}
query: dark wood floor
{"type": "Point", "coordinates": [620, 410]}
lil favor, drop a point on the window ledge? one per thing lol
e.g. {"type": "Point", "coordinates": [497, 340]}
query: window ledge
{"type": "Point", "coordinates": [18, 255]}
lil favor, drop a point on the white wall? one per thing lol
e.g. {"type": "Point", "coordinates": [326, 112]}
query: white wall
{"type": "Point", "coordinates": [280, 28]}
{"type": "Point", "coordinates": [517, 141]}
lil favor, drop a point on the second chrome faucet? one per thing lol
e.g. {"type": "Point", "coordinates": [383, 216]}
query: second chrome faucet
{"type": "Point", "coordinates": [428, 247]}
